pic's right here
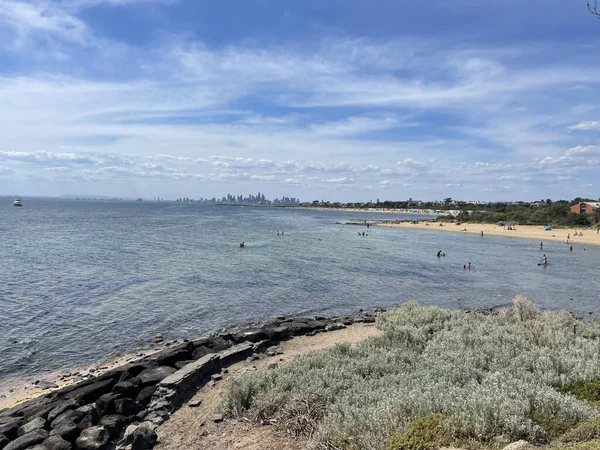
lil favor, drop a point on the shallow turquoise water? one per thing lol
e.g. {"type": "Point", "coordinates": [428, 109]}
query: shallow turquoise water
{"type": "Point", "coordinates": [82, 280]}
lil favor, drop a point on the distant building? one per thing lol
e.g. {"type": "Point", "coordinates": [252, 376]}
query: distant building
{"type": "Point", "coordinates": [585, 207]}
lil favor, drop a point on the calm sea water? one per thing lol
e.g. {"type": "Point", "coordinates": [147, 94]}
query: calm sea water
{"type": "Point", "coordinates": [82, 280]}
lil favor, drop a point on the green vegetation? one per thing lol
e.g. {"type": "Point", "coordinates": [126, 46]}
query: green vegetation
{"type": "Point", "coordinates": [587, 431]}
{"type": "Point", "coordinates": [435, 376]}
{"type": "Point", "coordinates": [588, 390]}
{"type": "Point", "coordinates": [540, 213]}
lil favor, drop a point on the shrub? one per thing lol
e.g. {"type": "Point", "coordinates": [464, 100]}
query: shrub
{"type": "Point", "coordinates": [588, 390]}
{"type": "Point", "coordinates": [490, 375]}
{"type": "Point", "coordinates": [586, 431]}
{"type": "Point", "coordinates": [426, 433]}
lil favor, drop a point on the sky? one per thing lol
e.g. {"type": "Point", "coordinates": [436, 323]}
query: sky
{"type": "Point", "coordinates": [349, 100]}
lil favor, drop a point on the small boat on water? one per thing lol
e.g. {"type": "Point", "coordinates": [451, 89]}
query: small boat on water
{"type": "Point", "coordinates": [17, 202]}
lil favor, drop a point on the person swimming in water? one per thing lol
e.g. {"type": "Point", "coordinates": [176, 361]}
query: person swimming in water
{"type": "Point", "coordinates": [439, 253]}
{"type": "Point", "coordinates": [571, 248]}
{"type": "Point", "coordinates": [544, 261]}
{"type": "Point", "coordinates": [242, 245]}
{"type": "Point", "coordinates": [541, 245]}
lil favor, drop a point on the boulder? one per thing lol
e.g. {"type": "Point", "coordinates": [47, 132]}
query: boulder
{"type": "Point", "coordinates": [201, 351]}
{"type": "Point", "coordinates": [235, 354]}
{"type": "Point", "coordinates": [249, 336]}
{"type": "Point", "coordinates": [10, 427]}
{"type": "Point", "coordinates": [113, 423]}
{"type": "Point", "coordinates": [69, 416]}
{"type": "Point", "coordinates": [91, 416]}
{"type": "Point", "coordinates": [127, 407]}
{"type": "Point", "coordinates": [34, 424]}
{"type": "Point", "coordinates": [171, 355]}
{"type": "Point", "coordinates": [276, 333]}
{"type": "Point", "coordinates": [56, 443]}
{"type": "Point", "coordinates": [154, 375]}
{"type": "Point", "coordinates": [180, 364]}
{"type": "Point", "coordinates": [138, 367]}
{"type": "Point", "coordinates": [143, 438]}
{"type": "Point", "coordinates": [28, 440]}
{"type": "Point", "coordinates": [217, 343]}
{"type": "Point", "coordinates": [3, 441]}
{"type": "Point", "coordinates": [91, 392]}
{"type": "Point", "coordinates": [145, 395]}
{"type": "Point", "coordinates": [93, 438]}
{"type": "Point", "coordinates": [129, 388]}
{"type": "Point", "coordinates": [68, 431]}
{"type": "Point", "coordinates": [106, 403]}
{"type": "Point", "coordinates": [61, 408]}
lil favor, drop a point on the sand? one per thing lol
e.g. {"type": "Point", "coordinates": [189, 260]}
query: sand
{"type": "Point", "coordinates": [193, 427]}
{"type": "Point", "coordinates": [535, 232]}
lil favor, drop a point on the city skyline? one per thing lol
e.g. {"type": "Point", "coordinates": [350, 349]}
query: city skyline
{"type": "Point", "coordinates": [486, 101]}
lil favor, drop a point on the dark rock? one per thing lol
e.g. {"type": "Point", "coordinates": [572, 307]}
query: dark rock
{"type": "Point", "coordinates": [91, 416]}
{"type": "Point", "coordinates": [56, 443]}
{"type": "Point", "coordinates": [277, 333]}
{"type": "Point", "coordinates": [217, 418]}
{"type": "Point", "coordinates": [93, 438]}
{"type": "Point", "coordinates": [91, 392]}
{"type": "Point", "coordinates": [127, 407]}
{"type": "Point", "coordinates": [218, 344]}
{"type": "Point", "coordinates": [46, 385]}
{"type": "Point", "coordinates": [113, 423]}
{"type": "Point", "coordinates": [335, 326]}
{"type": "Point", "coordinates": [68, 431]}
{"type": "Point", "coordinates": [10, 427]}
{"type": "Point", "coordinates": [369, 319]}
{"type": "Point", "coordinates": [145, 395]}
{"type": "Point", "coordinates": [29, 409]}
{"type": "Point", "coordinates": [69, 416]}
{"type": "Point", "coordinates": [28, 440]}
{"type": "Point", "coordinates": [180, 364]}
{"type": "Point", "coordinates": [35, 424]}
{"type": "Point", "coordinates": [249, 336]}
{"type": "Point", "coordinates": [138, 367]}
{"type": "Point", "coordinates": [106, 403]}
{"type": "Point", "coordinates": [201, 351]}
{"type": "Point", "coordinates": [3, 441]}
{"type": "Point", "coordinates": [194, 404]}
{"type": "Point", "coordinates": [61, 408]}
{"type": "Point", "coordinates": [129, 388]}
{"type": "Point", "coordinates": [143, 438]}
{"type": "Point", "coordinates": [170, 356]}
{"type": "Point", "coordinates": [216, 377]}
{"type": "Point", "coordinates": [154, 375]}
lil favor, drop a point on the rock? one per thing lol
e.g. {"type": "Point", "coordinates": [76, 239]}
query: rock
{"type": "Point", "coordinates": [276, 333]}
{"type": "Point", "coordinates": [369, 319]}
{"type": "Point", "coordinates": [171, 355]}
{"type": "Point", "coordinates": [90, 393]}
{"type": "Point", "coordinates": [194, 404]}
{"type": "Point", "coordinates": [236, 354]}
{"type": "Point", "coordinates": [249, 336]}
{"type": "Point", "coordinates": [61, 408]}
{"type": "Point", "coordinates": [93, 438]}
{"type": "Point", "coordinates": [10, 427]}
{"type": "Point", "coordinates": [28, 440]}
{"type": "Point", "coordinates": [127, 407]}
{"type": "Point", "coordinates": [201, 351]}
{"type": "Point", "coordinates": [519, 445]}
{"type": "Point", "coordinates": [335, 326]}
{"type": "Point", "coordinates": [158, 338]}
{"type": "Point", "coordinates": [272, 366]}
{"type": "Point", "coordinates": [56, 443]}
{"type": "Point", "coordinates": [46, 385]}
{"type": "Point", "coordinates": [113, 423]}
{"type": "Point", "coordinates": [91, 416]}
{"type": "Point", "coordinates": [145, 395]}
{"type": "Point", "coordinates": [129, 388]}
{"type": "Point", "coordinates": [106, 403]}
{"type": "Point", "coordinates": [181, 364]}
{"type": "Point", "coordinates": [68, 431]}
{"type": "Point", "coordinates": [3, 441]}
{"type": "Point", "coordinates": [216, 377]}
{"type": "Point", "coordinates": [143, 438]}
{"type": "Point", "coordinates": [69, 416]}
{"type": "Point", "coordinates": [35, 424]}
{"type": "Point", "coordinates": [217, 418]}
{"type": "Point", "coordinates": [154, 375]}
{"type": "Point", "coordinates": [218, 343]}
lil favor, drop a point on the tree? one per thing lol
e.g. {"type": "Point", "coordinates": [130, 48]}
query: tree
{"type": "Point", "coordinates": [594, 8]}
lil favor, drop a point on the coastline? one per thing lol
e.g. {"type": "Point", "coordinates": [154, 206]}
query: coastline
{"type": "Point", "coordinates": [534, 232]}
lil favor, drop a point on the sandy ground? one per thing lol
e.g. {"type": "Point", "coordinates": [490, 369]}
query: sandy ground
{"type": "Point", "coordinates": [590, 236]}
{"type": "Point", "coordinates": [194, 427]}
{"type": "Point", "coordinates": [16, 390]}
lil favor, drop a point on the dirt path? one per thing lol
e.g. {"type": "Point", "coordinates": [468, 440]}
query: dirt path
{"type": "Point", "coordinates": [193, 428]}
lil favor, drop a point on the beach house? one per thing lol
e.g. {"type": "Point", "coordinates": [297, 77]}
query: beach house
{"type": "Point", "coordinates": [585, 207]}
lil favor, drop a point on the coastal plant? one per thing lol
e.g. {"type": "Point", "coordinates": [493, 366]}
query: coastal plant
{"type": "Point", "coordinates": [506, 374]}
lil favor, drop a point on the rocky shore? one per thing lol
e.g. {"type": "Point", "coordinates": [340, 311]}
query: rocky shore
{"type": "Point", "coordinates": [120, 408]}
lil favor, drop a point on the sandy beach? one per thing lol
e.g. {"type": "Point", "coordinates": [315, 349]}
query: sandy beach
{"type": "Point", "coordinates": [536, 232]}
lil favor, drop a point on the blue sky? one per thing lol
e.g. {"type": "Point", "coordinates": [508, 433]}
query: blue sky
{"type": "Point", "coordinates": [341, 100]}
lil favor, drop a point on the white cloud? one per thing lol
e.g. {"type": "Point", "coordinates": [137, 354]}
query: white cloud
{"type": "Point", "coordinates": [586, 126]}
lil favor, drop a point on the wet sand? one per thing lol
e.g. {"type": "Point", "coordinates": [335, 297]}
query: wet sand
{"type": "Point", "coordinates": [536, 232]}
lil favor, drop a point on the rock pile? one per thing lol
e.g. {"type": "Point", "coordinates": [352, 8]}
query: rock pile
{"type": "Point", "coordinates": [123, 406]}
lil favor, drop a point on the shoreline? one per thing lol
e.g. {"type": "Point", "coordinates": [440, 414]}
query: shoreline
{"type": "Point", "coordinates": [534, 232]}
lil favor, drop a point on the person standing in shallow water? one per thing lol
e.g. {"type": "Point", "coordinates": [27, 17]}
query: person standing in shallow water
{"type": "Point", "coordinates": [541, 245]}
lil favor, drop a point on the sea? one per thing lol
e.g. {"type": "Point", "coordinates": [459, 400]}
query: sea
{"type": "Point", "coordinates": [83, 280]}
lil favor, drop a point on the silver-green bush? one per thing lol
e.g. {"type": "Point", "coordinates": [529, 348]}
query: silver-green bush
{"type": "Point", "coordinates": [492, 374]}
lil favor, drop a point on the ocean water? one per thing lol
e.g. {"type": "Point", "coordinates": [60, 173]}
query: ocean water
{"type": "Point", "coordinates": [83, 280]}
